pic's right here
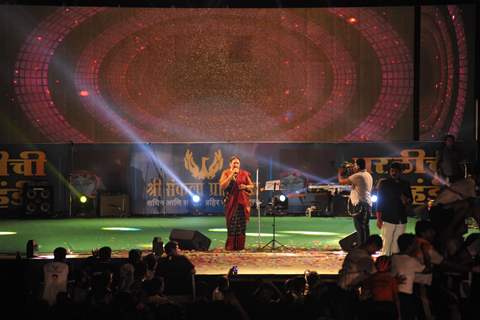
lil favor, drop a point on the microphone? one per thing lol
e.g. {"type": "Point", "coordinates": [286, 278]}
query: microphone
{"type": "Point", "coordinates": [235, 173]}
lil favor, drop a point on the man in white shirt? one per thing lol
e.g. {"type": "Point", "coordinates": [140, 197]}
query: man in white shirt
{"type": "Point", "coordinates": [407, 265]}
{"type": "Point", "coordinates": [360, 202]}
{"type": "Point", "coordinates": [55, 275]}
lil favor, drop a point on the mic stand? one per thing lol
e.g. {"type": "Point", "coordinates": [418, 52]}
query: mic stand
{"type": "Point", "coordinates": [257, 205]}
{"type": "Point", "coordinates": [274, 241]}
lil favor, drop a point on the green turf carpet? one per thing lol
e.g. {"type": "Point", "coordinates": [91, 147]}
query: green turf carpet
{"type": "Point", "coordinates": [82, 235]}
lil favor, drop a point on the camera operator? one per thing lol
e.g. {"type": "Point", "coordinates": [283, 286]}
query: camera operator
{"type": "Point", "coordinates": [360, 202]}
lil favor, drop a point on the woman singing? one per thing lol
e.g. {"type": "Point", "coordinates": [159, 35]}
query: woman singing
{"type": "Point", "coordinates": [237, 186]}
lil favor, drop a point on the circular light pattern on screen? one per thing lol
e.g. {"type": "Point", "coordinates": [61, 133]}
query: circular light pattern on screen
{"type": "Point", "coordinates": [442, 35]}
{"type": "Point", "coordinates": [172, 75]}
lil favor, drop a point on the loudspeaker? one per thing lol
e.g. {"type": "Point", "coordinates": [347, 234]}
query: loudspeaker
{"type": "Point", "coordinates": [37, 200]}
{"type": "Point", "coordinates": [114, 205]}
{"type": "Point", "coordinates": [190, 239]}
{"type": "Point", "coordinates": [349, 242]}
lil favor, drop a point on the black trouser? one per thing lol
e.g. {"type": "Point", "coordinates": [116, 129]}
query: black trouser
{"type": "Point", "coordinates": [361, 220]}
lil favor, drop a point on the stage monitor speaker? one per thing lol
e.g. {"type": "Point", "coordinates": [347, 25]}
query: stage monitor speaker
{"type": "Point", "coordinates": [38, 200]}
{"type": "Point", "coordinates": [190, 239]}
{"type": "Point", "coordinates": [349, 242]}
{"type": "Point", "coordinates": [114, 205]}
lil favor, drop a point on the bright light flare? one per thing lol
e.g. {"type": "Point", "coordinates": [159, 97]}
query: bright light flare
{"type": "Point", "coordinates": [7, 233]}
{"type": "Point", "coordinates": [312, 233]}
{"type": "Point", "coordinates": [120, 229]}
{"type": "Point", "coordinates": [196, 198]}
{"type": "Point", "coordinates": [374, 198]}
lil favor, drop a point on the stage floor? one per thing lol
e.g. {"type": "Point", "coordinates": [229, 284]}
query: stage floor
{"type": "Point", "coordinates": [310, 243]}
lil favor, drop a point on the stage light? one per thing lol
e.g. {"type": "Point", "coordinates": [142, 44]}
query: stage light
{"type": "Point", "coordinates": [196, 198]}
{"type": "Point", "coordinates": [280, 202]}
{"type": "Point", "coordinates": [83, 199]}
{"type": "Point", "coordinates": [374, 198]}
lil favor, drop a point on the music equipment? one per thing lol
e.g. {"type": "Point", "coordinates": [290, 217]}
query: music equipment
{"type": "Point", "coordinates": [331, 188]}
{"type": "Point", "coordinates": [190, 239]}
{"type": "Point", "coordinates": [114, 205]}
{"type": "Point", "coordinates": [37, 199]}
{"type": "Point", "coordinates": [349, 242]}
{"type": "Point", "coordinates": [328, 199]}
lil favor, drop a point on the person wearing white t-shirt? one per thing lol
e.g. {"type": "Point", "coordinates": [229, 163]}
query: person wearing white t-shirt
{"type": "Point", "coordinates": [360, 201]}
{"type": "Point", "coordinates": [55, 276]}
{"type": "Point", "coordinates": [407, 265]}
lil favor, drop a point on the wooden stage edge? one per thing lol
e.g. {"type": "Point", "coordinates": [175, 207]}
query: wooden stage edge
{"type": "Point", "coordinates": [249, 262]}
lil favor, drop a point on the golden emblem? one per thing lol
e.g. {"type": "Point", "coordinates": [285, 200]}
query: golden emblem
{"type": "Point", "coordinates": [202, 172]}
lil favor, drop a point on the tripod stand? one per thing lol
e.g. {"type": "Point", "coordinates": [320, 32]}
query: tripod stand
{"type": "Point", "coordinates": [274, 242]}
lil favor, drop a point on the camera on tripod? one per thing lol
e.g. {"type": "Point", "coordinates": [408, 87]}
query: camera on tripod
{"type": "Point", "coordinates": [348, 169]}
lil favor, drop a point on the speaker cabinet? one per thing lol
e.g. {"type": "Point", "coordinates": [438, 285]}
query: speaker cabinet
{"type": "Point", "coordinates": [37, 200]}
{"type": "Point", "coordinates": [114, 205]}
{"type": "Point", "coordinates": [349, 242]}
{"type": "Point", "coordinates": [190, 239]}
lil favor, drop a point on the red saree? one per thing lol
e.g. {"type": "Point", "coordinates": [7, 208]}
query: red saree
{"type": "Point", "coordinates": [237, 211]}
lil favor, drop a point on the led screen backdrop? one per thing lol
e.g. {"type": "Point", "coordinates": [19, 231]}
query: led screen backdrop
{"type": "Point", "coordinates": [90, 75]}
{"type": "Point", "coordinates": [447, 71]}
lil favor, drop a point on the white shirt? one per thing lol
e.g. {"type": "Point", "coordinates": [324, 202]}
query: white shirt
{"type": "Point", "coordinates": [407, 266]}
{"type": "Point", "coordinates": [362, 183]}
{"type": "Point", "coordinates": [56, 279]}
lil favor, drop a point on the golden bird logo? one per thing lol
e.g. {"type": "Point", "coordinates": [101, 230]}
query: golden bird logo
{"type": "Point", "coordinates": [202, 172]}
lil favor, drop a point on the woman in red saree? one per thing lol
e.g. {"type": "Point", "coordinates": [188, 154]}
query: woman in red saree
{"type": "Point", "coordinates": [237, 186]}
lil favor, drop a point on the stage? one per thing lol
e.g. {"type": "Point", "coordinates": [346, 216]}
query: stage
{"type": "Point", "coordinates": [309, 243]}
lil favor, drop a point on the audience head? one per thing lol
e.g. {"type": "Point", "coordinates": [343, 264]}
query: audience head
{"type": "Point", "coordinates": [105, 253]}
{"type": "Point", "coordinates": [151, 261]}
{"type": "Point", "coordinates": [424, 229]}
{"type": "Point", "coordinates": [312, 278]}
{"type": "Point", "coordinates": [406, 243]}
{"type": "Point", "coordinates": [383, 263]}
{"type": "Point", "coordinates": [60, 254]}
{"type": "Point", "coordinates": [373, 243]}
{"type": "Point", "coordinates": [171, 248]}
{"type": "Point", "coordinates": [360, 162]}
{"type": "Point", "coordinates": [134, 256]}
{"type": "Point", "coordinates": [295, 285]}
